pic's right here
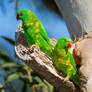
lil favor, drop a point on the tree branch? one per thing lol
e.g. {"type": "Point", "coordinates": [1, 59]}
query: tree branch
{"type": "Point", "coordinates": [41, 63]}
{"type": "Point", "coordinates": [83, 50]}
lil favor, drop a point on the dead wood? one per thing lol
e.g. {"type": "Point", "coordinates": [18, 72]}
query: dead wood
{"type": "Point", "coordinates": [43, 65]}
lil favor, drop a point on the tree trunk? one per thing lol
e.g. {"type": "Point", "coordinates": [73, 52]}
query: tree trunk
{"type": "Point", "coordinates": [41, 63]}
{"type": "Point", "coordinates": [77, 15]}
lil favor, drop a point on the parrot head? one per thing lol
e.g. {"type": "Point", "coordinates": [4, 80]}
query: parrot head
{"type": "Point", "coordinates": [23, 15]}
{"type": "Point", "coordinates": [66, 42]}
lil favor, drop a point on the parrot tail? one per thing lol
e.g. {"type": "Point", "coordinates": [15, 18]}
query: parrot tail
{"type": "Point", "coordinates": [75, 79]}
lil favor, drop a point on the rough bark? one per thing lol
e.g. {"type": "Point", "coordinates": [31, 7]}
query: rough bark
{"type": "Point", "coordinates": [78, 17]}
{"type": "Point", "coordinates": [41, 63]}
{"type": "Point", "coordinates": [83, 51]}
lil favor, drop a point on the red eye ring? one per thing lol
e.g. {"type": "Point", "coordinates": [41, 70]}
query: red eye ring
{"type": "Point", "coordinates": [69, 45]}
{"type": "Point", "coordinates": [21, 14]}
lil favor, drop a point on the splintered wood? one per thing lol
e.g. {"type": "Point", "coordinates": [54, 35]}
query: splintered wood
{"type": "Point", "coordinates": [43, 65]}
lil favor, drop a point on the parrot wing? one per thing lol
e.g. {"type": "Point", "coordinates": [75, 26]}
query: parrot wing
{"type": "Point", "coordinates": [43, 33]}
{"type": "Point", "coordinates": [72, 61]}
{"type": "Point", "coordinates": [28, 35]}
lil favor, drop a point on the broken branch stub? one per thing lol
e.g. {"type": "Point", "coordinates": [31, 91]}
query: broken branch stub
{"type": "Point", "coordinates": [41, 63]}
{"type": "Point", "coordinates": [83, 49]}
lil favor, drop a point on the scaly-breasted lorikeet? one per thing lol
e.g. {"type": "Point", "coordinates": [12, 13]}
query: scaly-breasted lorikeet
{"type": "Point", "coordinates": [64, 61]}
{"type": "Point", "coordinates": [34, 31]}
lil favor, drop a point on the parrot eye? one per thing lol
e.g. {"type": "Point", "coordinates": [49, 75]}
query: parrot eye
{"type": "Point", "coordinates": [65, 40]}
{"type": "Point", "coordinates": [21, 14]}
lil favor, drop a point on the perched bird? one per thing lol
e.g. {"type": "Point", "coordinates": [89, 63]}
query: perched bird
{"type": "Point", "coordinates": [64, 61]}
{"type": "Point", "coordinates": [34, 31]}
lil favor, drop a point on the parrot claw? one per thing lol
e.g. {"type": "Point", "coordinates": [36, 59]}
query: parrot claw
{"type": "Point", "coordinates": [28, 50]}
{"type": "Point", "coordinates": [34, 46]}
{"type": "Point", "coordinates": [66, 78]}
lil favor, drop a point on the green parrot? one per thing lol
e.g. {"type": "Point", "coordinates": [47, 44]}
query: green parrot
{"type": "Point", "coordinates": [64, 61]}
{"type": "Point", "coordinates": [34, 31]}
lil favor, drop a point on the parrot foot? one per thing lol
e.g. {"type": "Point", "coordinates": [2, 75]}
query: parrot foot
{"type": "Point", "coordinates": [28, 51]}
{"type": "Point", "coordinates": [66, 78]}
{"type": "Point", "coordinates": [34, 46]}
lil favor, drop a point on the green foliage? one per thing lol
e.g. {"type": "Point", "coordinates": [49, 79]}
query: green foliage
{"type": "Point", "coordinates": [30, 81]}
{"type": "Point", "coordinates": [8, 39]}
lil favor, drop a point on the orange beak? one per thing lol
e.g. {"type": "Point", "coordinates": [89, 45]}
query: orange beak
{"type": "Point", "coordinates": [69, 45]}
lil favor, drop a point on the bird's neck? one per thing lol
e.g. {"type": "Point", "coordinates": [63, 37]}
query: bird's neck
{"type": "Point", "coordinates": [29, 23]}
{"type": "Point", "coordinates": [30, 19]}
{"type": "Point", "coordinates": [64, 52]}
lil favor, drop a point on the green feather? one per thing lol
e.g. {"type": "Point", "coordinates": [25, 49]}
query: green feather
{"type": "Point", "coordinates": [64, 61]}
{"type": "Point", "coordinates": [34, 31]}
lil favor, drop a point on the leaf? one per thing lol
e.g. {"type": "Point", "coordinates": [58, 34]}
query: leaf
{"type": "Point", "coordinates": [1, 85]}
{"type": "Point", "coordinates": [13, 76]}
{"type": "Point", "coordinates": [28, 70]}
{"type": "Point", "coordinates": [8, 39]}
{"type": "Point", "coordinates": [4, 56]}
{"type": "Point", "coordinates": [3, 53]}
{"type": "Point", "coordinates": [49, 86]}
{"type": "Point", "coordinates": [2, 90]}
{"type": "Point", "coordinates": [6, 65]}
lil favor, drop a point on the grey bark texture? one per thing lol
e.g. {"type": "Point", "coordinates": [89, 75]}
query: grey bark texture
{"type": "Point", "coordinates": [77, 15]}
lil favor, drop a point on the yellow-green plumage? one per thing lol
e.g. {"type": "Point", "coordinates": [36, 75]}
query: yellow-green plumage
{"type": "Point", "coordinates": [34, 31]}
{"type": "Point", "coordinates": [63, 60]}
